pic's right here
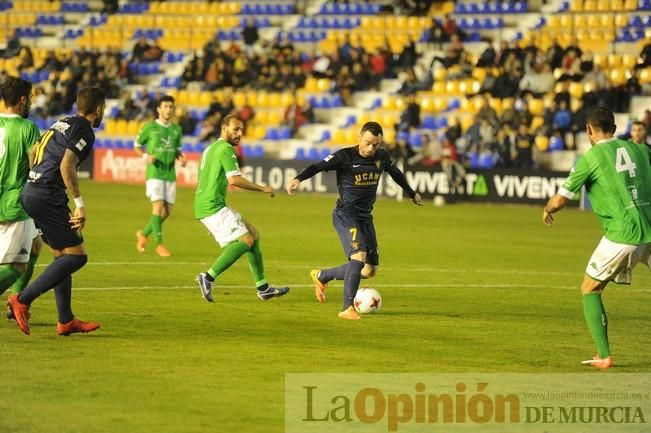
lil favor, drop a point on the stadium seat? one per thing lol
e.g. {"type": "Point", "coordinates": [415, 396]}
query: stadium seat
{"type": "Point", "coordinates": [556, 143]}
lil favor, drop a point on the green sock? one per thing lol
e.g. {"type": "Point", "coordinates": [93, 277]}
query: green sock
{"type": "Point", "coordinates": [231, 253]}
{"type": "Point", "coordinates": [156, 223]}
{"type": "Point", "coordinates": [8, 275]}
{"type": "Point", "coordinates": [595, 316]}
{"type": "Point", "coordinates": [148, 229]}
{"type": "Point", "coordinates": [254, 256]}
{"type": "Point", "coordinates": [22, 281]}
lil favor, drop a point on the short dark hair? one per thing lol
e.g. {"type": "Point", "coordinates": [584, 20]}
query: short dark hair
{"type": "Point", "coordinates": [14, 88]}
{"type": "Point", "coordinates": [89, 99]}
{"type": "Point", "coordinates": [601, 118]}
{"type": "Point", "coordinates": [372, 127]}
{"type": "Point", "coordinates": [639, 123]}
{"type": "Point", "coordinates": [226, 120]}
{"type": "Point", "coordinates": [165, 98]}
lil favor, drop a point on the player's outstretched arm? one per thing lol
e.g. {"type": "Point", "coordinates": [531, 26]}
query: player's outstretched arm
{"type": "Point", "coordinates": [241, 182]}
{"type": "Point", "coordinates": [399, 177]}
{"type": "Point", "coordinates": [417, 200]}
{"type": "Point", "coordinates": [556, 203]}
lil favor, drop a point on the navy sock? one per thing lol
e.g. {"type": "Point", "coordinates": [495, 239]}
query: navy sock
{"type": "Point", "coordinates": [63, 297]}
{"type": "Point", "coordinates": [337, 273]}
{"type": "Point", "coordinates": [351, 282]}
{"type": "Point", "coordinates": [62, 267]}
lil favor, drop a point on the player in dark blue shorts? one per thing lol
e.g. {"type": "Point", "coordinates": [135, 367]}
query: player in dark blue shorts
{"type": "Point", "coordinates": [358, 170]}
{"type": "Point", "coordinates": [54, 161]}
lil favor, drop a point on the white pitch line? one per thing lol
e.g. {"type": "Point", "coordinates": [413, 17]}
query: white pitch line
{"type": "Point", "coordinates": [220, 288]}
{"type": "Point", "coordinates": [279, 264]}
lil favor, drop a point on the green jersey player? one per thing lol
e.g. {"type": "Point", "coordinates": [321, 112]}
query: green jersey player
{"type": "Point", "coordinates": [219, 169]}
{"type": "Point", "coordinates": [159, 144]}
{"type": "Point", "coordinates": [617, 175]}
{"type": "Point", "coordinates": [19, 241]}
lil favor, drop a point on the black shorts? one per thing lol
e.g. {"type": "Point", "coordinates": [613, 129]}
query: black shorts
{"type": "Point", "coordinates": [48, 207]}
{"type": "Point", "coordinates": [357, 234]}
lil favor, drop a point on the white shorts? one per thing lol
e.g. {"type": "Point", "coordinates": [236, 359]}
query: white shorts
{"type": "Point", "coordinates": [16, 241]}
{"type": "Point", "coordinates": [611, 261]}
{"type": "Point", "coordinates": [226, 226]}
{"type": "Point", "coordinates": [158, 190]}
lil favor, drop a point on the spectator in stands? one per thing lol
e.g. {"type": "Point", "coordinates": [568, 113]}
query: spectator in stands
{"type": "Point", "coordinates": [555, 54]}
{"type": "Point", "coordinates": [503, 147]}
{"type": "Point", "coordinates": [250, 36]}
{"type": "Point", "coordinates": [25, 59]}
{"type": "Point", "coordinates": [435, 34]}
{"type": "Point", "coordinates": [411, 84]}
{"type": "Point", "coordinates": [453, 133]}
{"type": "Point", "coordinates": [519, 113]}
{"type": "Point", "coordinates": [13, 45]}
{"type": "Point", "coordinates": [139, 50]}
{"type": "Point", "coordinates": [407, 58]}
{"type": "Point", "coordinates": [209, 130]}
{"type": "Point", "coordinates": [452, 53]}
{"type": "Point", "coordinates": [632, 88]}
{"type": "Point", "coordinates": [344, 84]}
{"type": "Point", "coordinates": [647, 121]}
{"type": "Point", "coordinates": [39, 103]}
{"type": "Point", "coordinates": [455, 173]}
{"type": "Point", "coordinates": [645, 55]}
{"type": "Point", "coordinates": [402, 152]}
{"type": "Point", "coordinates": [410, 117]}
{"type": "Point", "coordinates": [246, 113]}
{"type": "Point", "coordinates": [451, 29]}
{"type": "Point", "coordinates": [487, 112]}
{"type": "Point", "coordinates": [524, 142]}
{"type": "Point", "coordinates": [487, 57]}
{"type": "Point", "coordinates": [539, 80]}
{"type": "Point", "coordinates": [361, 77]}
{"type": "Point", "coordinates": [185, 120]}
{"type": "Point", "coordinates": [321, 66]}
{"type": "Point", "coordinates": [507, 84]}
{"type": "Point", "coordinates": [562, 119]}
{"type": "Point", "coordinates": [294, 116]}
{"type": "Point", "coordinates": [110, 6]}
{"type": "Point", "coordinates": [128, 109]}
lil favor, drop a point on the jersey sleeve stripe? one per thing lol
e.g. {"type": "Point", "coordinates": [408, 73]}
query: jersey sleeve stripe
{"type": "Point", "coordinates": [566, 193]}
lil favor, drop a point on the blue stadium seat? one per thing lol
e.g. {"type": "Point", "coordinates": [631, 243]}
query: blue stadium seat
{"type": "Point", "coordinates": [285, 133]}
{"type": "Point", "coordinates": [556, 143]}
{"type": "Point", "coordinates": [644, 5]}
{"type": "Point", "coordinates": [335, 101]}
{"type": "Point", "coordinates": [486, 161]}
{"type": "Point", "coordinates": [272, 134]}
{"type": "Point", "coordinates": [325, 136]}
{"type": "Point", "coordinates": [323, 153]}
{"type": "Point", "coordinates": [300, 154]}
{"type": "Point", "coordinates": [453, 104]}
{"type": "Point", "coordinates": [442, 123]}
{"type": "Point", "coordinates": [460, 8]}
{"type": "Point", "coordinates": [416, 139]}
{"type": "Point", "coordinates": [473, 161]}
{"type": "Point", "coordinates": [429, 122]}
{"type": "Point", "coordinates": [635, 21]}
{"type": "Point", "coordinates": [313, 154]}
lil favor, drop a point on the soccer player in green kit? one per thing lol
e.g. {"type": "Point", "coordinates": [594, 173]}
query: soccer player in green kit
{"type": "Point", "coordinates": [617, 176]}
{"type": "Point", "coordinates": [19, 241]}
{"type": "Point", "coordinates": [159, 143]}
{"type": "Point", "coordinates": [219, 169]}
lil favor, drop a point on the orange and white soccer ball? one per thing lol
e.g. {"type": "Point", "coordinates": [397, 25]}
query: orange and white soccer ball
{"type": "Point", "coordinates": [367, 300]}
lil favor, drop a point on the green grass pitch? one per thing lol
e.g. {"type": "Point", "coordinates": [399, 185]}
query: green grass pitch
{"type": "Point", "coordinates": [466, 288]}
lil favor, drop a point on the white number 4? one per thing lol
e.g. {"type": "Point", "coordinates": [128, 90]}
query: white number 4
{"type": "Point", "coordinates": [624, 162]}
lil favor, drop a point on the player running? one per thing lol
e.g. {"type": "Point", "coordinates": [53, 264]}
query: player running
{"type": "Point", "coordinates": [159, 143]}
{"type": "Point", "coordinates": [617, 176]}
{"type": "Point", "coordinates": [358, 175]}
{"type": "Point", "coordinates": [55, 158]}
{"type": "Point", "coordinates": [219, 169]}
{"type": "Point", "coordinates": [19, 241]}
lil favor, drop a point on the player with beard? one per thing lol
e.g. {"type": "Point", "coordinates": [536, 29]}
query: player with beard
{"type": "Point", "coordinates": [55, 158]}
{"type": "Point", "coordinates": [219, 169]}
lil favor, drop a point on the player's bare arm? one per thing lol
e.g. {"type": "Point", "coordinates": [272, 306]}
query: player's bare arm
{"type": "Point", "coordinates": [556, 203]}
{"type": "Point", "coordinates": [241, 182]}
{"type": "Point", "coordinates": [181, 157]}
{"type": "Point", "coordinates": [68, 169]}
{"type": "Point", "coordinates": [292, 186]}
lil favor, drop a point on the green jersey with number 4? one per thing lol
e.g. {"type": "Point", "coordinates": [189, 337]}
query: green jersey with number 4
{"type": "Point", "coordinates": [218, 161]}
{"type": "Point", "coordinates": [617, 176]}
{"type": "Point", "coordinates": [17, 135]}
{"type": "Point", "coordinates": [163, 142]}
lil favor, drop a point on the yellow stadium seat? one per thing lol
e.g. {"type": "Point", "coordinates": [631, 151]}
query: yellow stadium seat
{"type": "Point", "coordinates": [621, 20]}
{"type": "Point", "coordinates": [629, 61]}
{"type": "Point", "coordinates": [276, 117]}
{"type": "Point", "coordinates": [252, 98]}
{"type": "Point", "coordinates": [452, 87]}
{"type": "Point", "coordinates": [617, 76]}
{"type": "Point", "coordinates": [284, 99]}
{"type": "Point", "coordinates": [133, 127]}
{"type": "Point", "coordinates": [645, 76]}
{"type": "Point", "coordinates": [466, 122]}
{"type": "Point", "coordinates": [536, 107]}
{"type": "Point", "coordinates": [603, 5]}
{"type": "Point", "coordinates": [590, 5]}
{"type": "Point", "coordinates": [576, 6]}
{"type": "Point", "coordinates": [110, 126]}
{"type": "Point", "coordinates": [427, 105]}
{"type": "Point", "coordinates": [389, 135]}
{"type": "Point", "coordinates": [262, 117]}
{"type": "Point", "coordinates": [580, 21]}
{"type": "Point", "coordinates": [389, 103]}
{"type": "Point", "coordinates": [339, 136]}
{"type": "Point", "coordinates": [323, 85]}
{"type": "Point", "coordinates": [630, 5]}
{"type": "Point", "coordinates": [440, 104]}
{"type": "Point", "coordinates": [576, 90]}
{"type": "Point", "coordinates": [537, 122]}
{"type": "Point", "coordinates": [616, 5]}
{"type": "Point", "coordinates": [121, 127]}
{"type": "Point", "coordinates": [311, 84]}
{"type": "Point", "coordinates": [542, 143]}
{"type": "Point", "coordinates": [507, 103]}
{"type": "Point", "coordinates": [614, 60]}
{"type": "Point", "coordinates": [239, 99]}
{"type": "Point", "coordinates": [479, 74]}
{"type": "Point", "coordinates": [440, 74]}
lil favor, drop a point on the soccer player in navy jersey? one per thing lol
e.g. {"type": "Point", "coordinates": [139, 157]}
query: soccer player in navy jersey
{"type": "Point", "coordinates": [358, 169]}
{"type": "Point", "coordinates": [54, 161]}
